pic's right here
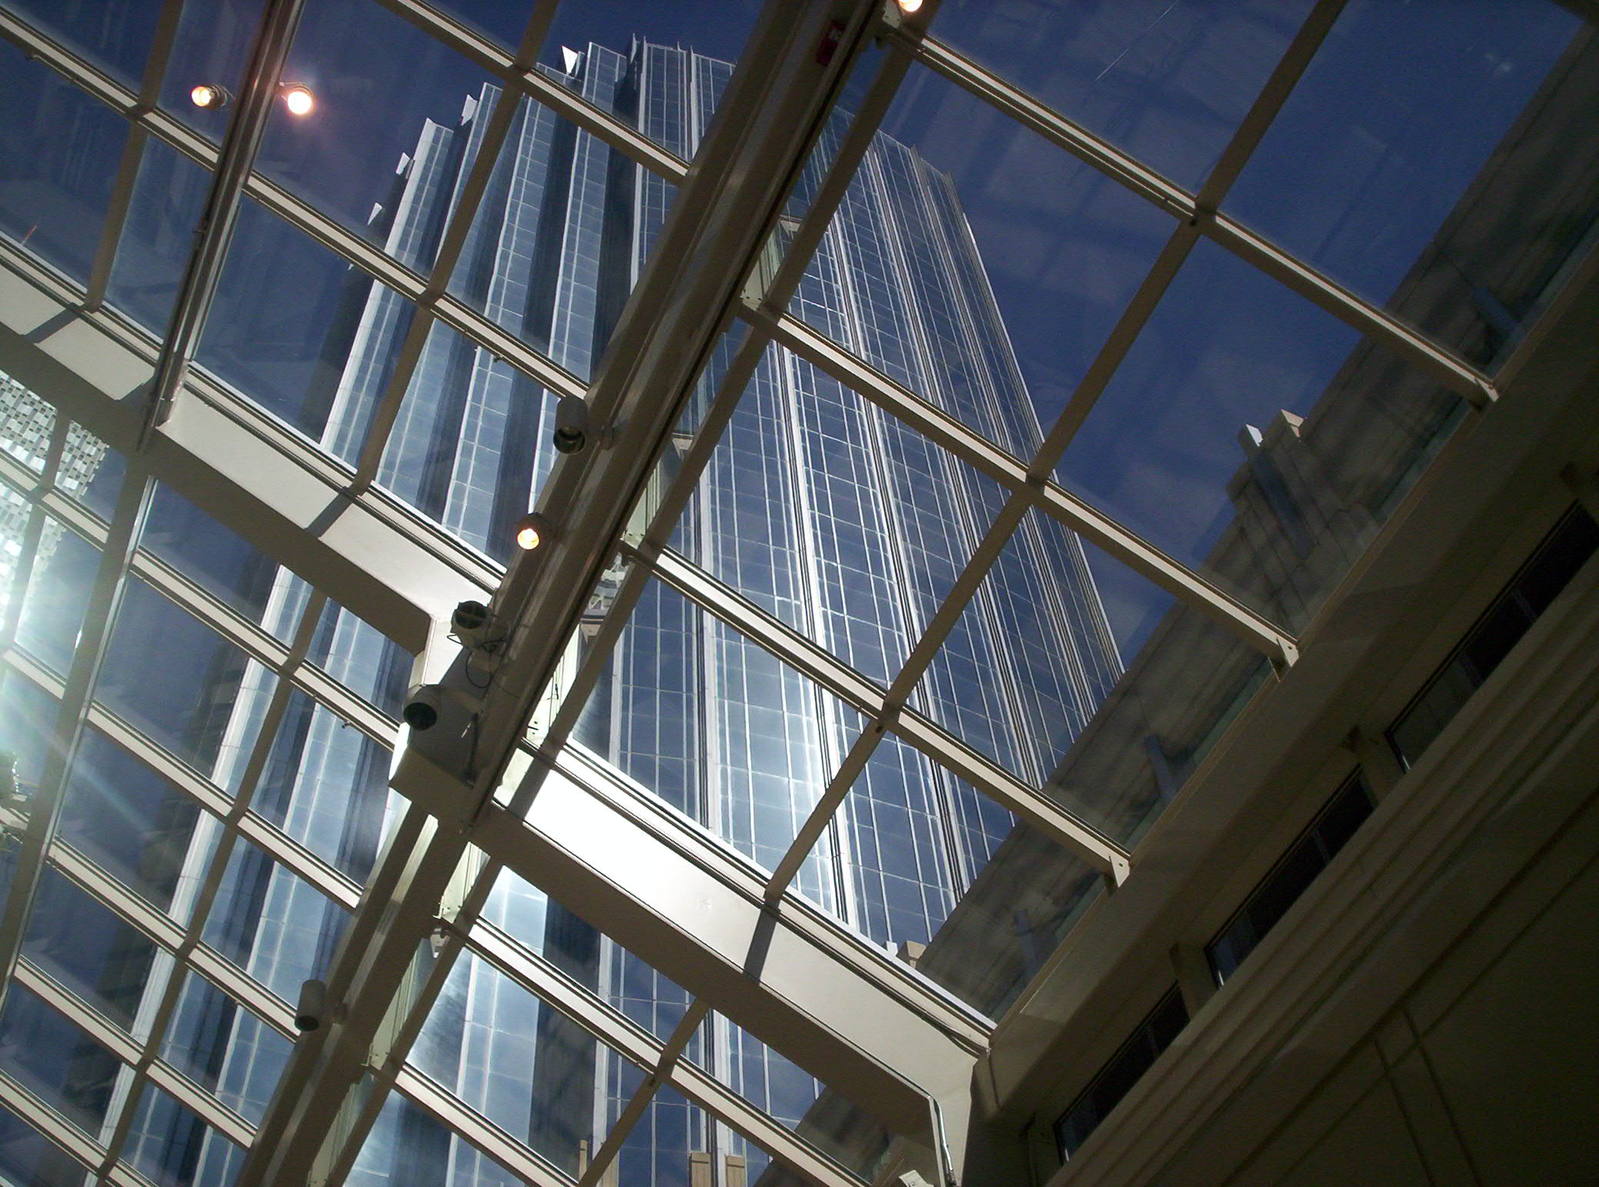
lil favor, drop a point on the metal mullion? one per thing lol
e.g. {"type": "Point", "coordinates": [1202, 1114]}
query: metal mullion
{"type": "Point", "coordinates": [477, 1130]}
{"type": "Point", "coordinates": [218, 617]}
{"type": "Point", "coordinates": [128, 1049]}
{"type": "Point", "coordinates": [50, 1124]}
{"type": "Point", "coordinates": [155, 68]}
{"type": "Point", "coordinates": [36, 490]}
{"type": "Point", "coordinates": [348, 706]}
{"type": "Point", "coordinates": [450, 245]}
{"type": "Point", "coordinates": [218, 863]}
{"type": "Point", "coordinates": [822, 812]}
{"type": "Point", "coordinates": [518, 72]}
{"type": "Point", "coordinates": [105, 598]}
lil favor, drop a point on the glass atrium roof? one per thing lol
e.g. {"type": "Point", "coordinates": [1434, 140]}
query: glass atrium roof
{"type": "Point", "coordinates": [977, 407]}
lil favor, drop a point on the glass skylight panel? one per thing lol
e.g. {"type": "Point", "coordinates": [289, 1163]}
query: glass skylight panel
{"type": "Point", "coordinates": [27, 1156]}
{"type": "Point", "coordinates": [1254, 437]}
{"type": "Point", "coordinates": [387, 97]}
{"type": "Point", "coordinates": [978, 265]}
{"type": "Point", "coordinates": [30, 716]}
{"type": "Point", "coordinates": [163, 216]}
{"type": "Point", "coordinates": [224, 1048]}
{"type": "Point", "coordinates": [470, 445]}
{"type": "Point", "coordinates": [222, 563]}
{"type": "Point", "coordinates": [171, 1146]}
{"type": "Point", "coordinates": [55, 1059]}
{"type": "Point", "coordinates": [502, 21]}
{"type": "Point", "coordinates": [1165, 82]}
{"type": "Point", "coordinates": [715, 726]}
{"type": "Point", "coordinates": [404, 1127]}
{"type": "Point", "coordinates": [52, 201]}
{"type": "Point", "coordinates": [283, 325]}
{"type": "Point", "coordinates": [565, 224]}
{"type": "Point", "coordinates": [1426, 161]}
{"type": "Point", "coordinates": [84, 945]}
{"type": "Point", "coordinates": [53, 607]}
{"type": "Point", "coordinates": [325, 783]}
{"type": "Point", "coordinates": [90, 472]}
{"type": "Point", "coordinates": [360, 657]}
{"type": "Point", "coordinates": [271, 923]}
{"type": "Point", "coordinates": [178, 681]}
{"type": "Point", "coordinates": [681, 90]}
{"type": "Point", "coordinates": [524, 1065]}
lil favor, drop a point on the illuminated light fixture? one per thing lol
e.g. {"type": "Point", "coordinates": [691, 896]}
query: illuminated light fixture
{"type": "Point", "coordinates": [298, 98]}
{"type": "Point", "coordinates": [209, 96]}
{"type": "Point", "coordinates": [908, 7]}
{"type": "Point", "coordinates": [532, 531]}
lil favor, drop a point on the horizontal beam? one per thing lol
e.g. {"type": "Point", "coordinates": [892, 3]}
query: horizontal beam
{"type": "Point", "coordinates": [258, 478]}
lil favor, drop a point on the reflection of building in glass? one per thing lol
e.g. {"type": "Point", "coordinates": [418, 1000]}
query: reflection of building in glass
{"type": "Point", "coordinates": [825, 511]}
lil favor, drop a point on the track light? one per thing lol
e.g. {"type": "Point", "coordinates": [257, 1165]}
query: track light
{"type": "Point", "coordinates": [532, 531]}
{"type": "Point", "coordinates": [297, 97]}
{"type": "Point", "coordinates": [209, 96]}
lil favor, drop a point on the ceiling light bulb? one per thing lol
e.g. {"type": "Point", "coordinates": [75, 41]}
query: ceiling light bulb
{"type": "Point", "coordinates": [298, 99]}
{"type": "Point", "coordinates": [532, 530]}
{"type": "Point", "coordinates": [910, 6]}
{"type": "Point", "coordinates": [208, 95]}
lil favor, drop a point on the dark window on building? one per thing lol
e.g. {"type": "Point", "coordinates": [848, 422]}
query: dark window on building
{"type": "Point", "coordinates": [1290, 877]}
{"type": "Point", "coordinates": [1116, 1079]}
{"type": "Point", "coordinates": [1485, 646]}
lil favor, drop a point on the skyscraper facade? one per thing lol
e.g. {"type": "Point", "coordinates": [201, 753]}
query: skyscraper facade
{"type": "Point", "coordinates": [827, 513]}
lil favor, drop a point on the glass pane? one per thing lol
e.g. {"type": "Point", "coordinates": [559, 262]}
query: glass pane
{"type": "Point", "coordinates": [271, 923]}
{"type": "Point", "coordinates": [91, 472]}
{"type": "Point", "coordinates": [790, 1096]}
{"type": "Point", "coordinates": [181, 683]}
{"type": "Point", "coordinates": [1167, 82]}
{"type": "Point", "coordinates": [326, 784]}
{"type": "Point", "coordinates": [976, 264]}
{"type": "Point", "coordinates": [1426, 160]}
{"type": "Point", "coordinates": [27, 1156]}
{"type": "Point", "coordinates": [164, 215]}
{"type": "Point", "coordinates": [134, 824]}
{"type": "Point", "coordinates": [361, 658]}
{"type": "Point", "coordinates": [55, 1059]}
{"type": "Point", "coordinates": [56, 146]}
{"type": "Point", "coordinates": [524, 1065]}
{"type": "Point", "coordinates": [87, 947]}
{"type": "Point", "coordinates": [717, 727]}
{"type": "Point", "coordinates": [356, 155]}
{"type": "Point", "coordinates": [564, 226]}
{"type": "Point", "coordinates": [471, 446]}
{"type": "Point", "coordinates": [408, 1145]}
{"type": "Point", "coordinates": [15, 512]}
{"type": "Point", "coordinates": [53, 609]}
{"type": "Point", "coordinates": [657, 1149]}
{"type": "Point", "coordinates": [223, 563]}
{"type": "Point", "coordinates": [212, 46]}
{"type": "Point", "coordinates": [27, 729]}
{"type": "Point", "coordinates": [1012, 917]}
{"type": "Point", "coordinates": [171, 1146]}
{"type": "Point", "coordinates": [115, 37]}
{"type": "Point", "coordinates": [717, 29]}
{"type": "Point", "coordinates": [502, 21]}
{"type": "Point", "coordinates": [1254, 437]}
{"type": "Point", "coordinates": [225, 1049]}
{"type": "Point", "coordinates": [284, 324]}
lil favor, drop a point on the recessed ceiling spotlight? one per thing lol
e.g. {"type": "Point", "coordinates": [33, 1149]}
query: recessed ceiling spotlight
{"type": "Point", "coordinates": [209, 96]}
{"type": "Point", "coordinates": [297, 98]}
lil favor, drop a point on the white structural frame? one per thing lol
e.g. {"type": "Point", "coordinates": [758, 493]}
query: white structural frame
{"type": "Point", "coordinates": [893, 1041]}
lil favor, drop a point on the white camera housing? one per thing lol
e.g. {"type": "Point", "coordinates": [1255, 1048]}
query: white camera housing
{"type": "Point", "coordinates": [422, 706]}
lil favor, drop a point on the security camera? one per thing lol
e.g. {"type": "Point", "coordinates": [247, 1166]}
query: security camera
{"type": "Point", "coordinates": [312, 1009]}
{"type": "Point", "coordinates": [571, 424]}
{"type": "Point", "coordinates": [472, 624]}
{"type": "Point", "coordinates": [422, 706]}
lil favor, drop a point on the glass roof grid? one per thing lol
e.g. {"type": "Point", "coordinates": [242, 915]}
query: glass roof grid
{"type": "Point", "coordinates": [156, 235]}
{"type": "Point", "coordinates": [42, 1159]}
{"type": "Point", "coordinates": [173, 1145]}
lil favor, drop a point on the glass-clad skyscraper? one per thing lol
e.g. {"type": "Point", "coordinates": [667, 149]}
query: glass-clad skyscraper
{"type": "Point", "coordinates": [831, 515]}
